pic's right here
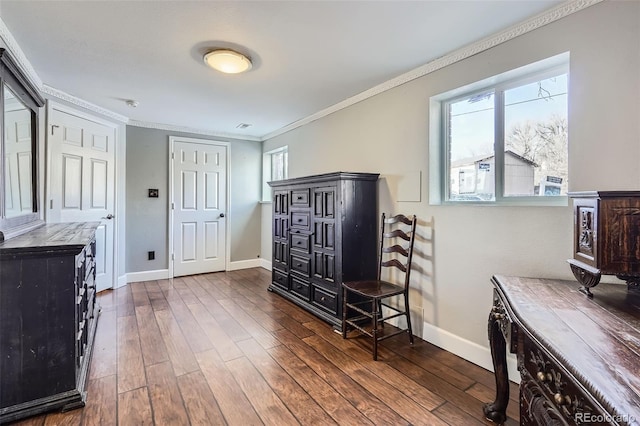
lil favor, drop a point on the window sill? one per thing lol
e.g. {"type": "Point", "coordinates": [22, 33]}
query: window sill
{"type": "Point", "coordinates": [519, 202]}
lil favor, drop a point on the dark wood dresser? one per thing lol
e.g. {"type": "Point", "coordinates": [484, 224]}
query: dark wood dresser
{"type": "Point", "coordinates": [579, 358]}
{"type": "Point", "coordinates": [324, 232]}
{"type": "Point", "coordinates": [48, 318]}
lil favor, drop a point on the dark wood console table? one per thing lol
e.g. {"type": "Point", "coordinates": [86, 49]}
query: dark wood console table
{"type": "Point", "coordinates": [579, 358]}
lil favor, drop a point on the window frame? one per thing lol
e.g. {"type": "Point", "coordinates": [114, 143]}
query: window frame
{"type": "Point", "coordinates": [267, 170]}
{"type": "Point", "coordinates": [440, 164]}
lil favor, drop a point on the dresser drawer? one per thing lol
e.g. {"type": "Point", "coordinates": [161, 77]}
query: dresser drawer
{"type": "Point", "coordinates": [300, 288]}
{"type": "Point", "coordinates": [302, 265]}
{"type": "Point", "coordinates": [280, 279]}
{"type": "Point", "coordinates": [300, 220]}
{"type": "Point", "coordinates": [325, 300]}
{"type": "Point", "coordinates": [301, 242]}
{"type": "Point", "coordinates": [300, 198]}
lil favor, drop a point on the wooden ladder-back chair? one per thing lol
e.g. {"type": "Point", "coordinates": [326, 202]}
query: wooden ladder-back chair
{"type": "Point", "coordinates": [396, 250]}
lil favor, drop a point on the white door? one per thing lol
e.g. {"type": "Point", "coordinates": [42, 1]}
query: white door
{"type": "Point", "coordinates": [18, 160]}
{"type": "Point", "coordinates": [199, 190]}
{"type": "Point", "coordinates": [82, 181]}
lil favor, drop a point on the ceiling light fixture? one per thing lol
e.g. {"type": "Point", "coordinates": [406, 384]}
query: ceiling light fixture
{"type": "Point", "coordinates": [227, 61]}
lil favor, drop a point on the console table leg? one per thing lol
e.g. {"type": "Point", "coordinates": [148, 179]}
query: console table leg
{"type": "Point", "coordinates": [496, 411]}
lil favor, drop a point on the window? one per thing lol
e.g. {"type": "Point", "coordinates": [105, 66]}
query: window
{"type": "Point", "coordinates": [275, 165]}
{"type": "Point", "coordinates": [506, 141]}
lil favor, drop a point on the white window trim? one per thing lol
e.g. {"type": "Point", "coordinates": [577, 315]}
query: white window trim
{"type": "Point", "coordinates": [438, 161]}
{"type": "Point", "coordinates": [266, 172]}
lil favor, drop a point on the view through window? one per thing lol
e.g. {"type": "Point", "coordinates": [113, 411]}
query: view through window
{"type": "Point", "coordinates": [525, 122]}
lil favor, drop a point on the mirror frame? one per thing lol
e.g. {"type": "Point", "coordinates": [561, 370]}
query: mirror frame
{"type": "Point", "coordinates": [12, 76]}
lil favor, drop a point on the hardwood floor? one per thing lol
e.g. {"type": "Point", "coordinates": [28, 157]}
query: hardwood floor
{"type": "Point", "coordinates": [219, 349]}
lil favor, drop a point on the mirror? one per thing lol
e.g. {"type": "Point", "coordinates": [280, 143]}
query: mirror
{"type": "Point", "coordinates": [20, 103]}
{"type": "Point", "coordinates": [18, 155]}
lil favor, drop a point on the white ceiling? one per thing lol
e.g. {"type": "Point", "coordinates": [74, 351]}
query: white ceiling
{"type": "Point", "coordinates": [307, 55]}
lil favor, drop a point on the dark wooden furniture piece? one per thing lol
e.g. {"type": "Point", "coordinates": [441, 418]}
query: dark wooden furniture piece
{"type": "Point", "coordinates": [48, 318]}
{"type": "Point", "coordinates": [372, 295]}
{"type": "Point", "coordinates": [317, 222]}
{"type": "Point", "coordinates": [606, 237]}
{"type": "Point", "coordinates": [578, 357]}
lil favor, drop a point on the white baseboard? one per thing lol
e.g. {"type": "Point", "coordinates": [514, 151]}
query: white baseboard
{"type": "Point", "coordinates": [472, 352]}
{"type": "Point", "coordinates": [266, 264]}
{"type": "Point", "coordinates": [121, 281]}
{"type": "Point", "coordinates": [244, 264]}
{"type": "Point", "coordinates": [159, 274]}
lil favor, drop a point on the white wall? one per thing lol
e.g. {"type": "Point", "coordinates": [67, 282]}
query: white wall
{"type": "Point", "coordinates": [389, 134]}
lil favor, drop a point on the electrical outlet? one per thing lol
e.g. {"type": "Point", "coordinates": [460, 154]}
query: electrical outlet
{"type": "Point", "coordinates": [153, 193]}
{"type": "Point", "coordinates": [151, 255]}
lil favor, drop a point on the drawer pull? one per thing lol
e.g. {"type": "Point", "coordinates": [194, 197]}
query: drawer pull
{"type": "Point", "coordinates": [300, 219]}
{"type": "Point", "coordinates": [298, 242]}
{"type": "Point", "coordinates": [299, 265]}
{"type": "Point", "coordinates": [298, 287]}
{"type": "Point", "coordinates": [299, 197]}
{"type": "Point", "coordinates": [322, 299]}
{"type": "Point", "coordinates": [562, 399]}
{"type": "Point", "coordinates": [542, 377]}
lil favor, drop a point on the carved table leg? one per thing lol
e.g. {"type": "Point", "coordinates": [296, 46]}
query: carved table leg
{"type": "Point", "coordinates": [496, 411]}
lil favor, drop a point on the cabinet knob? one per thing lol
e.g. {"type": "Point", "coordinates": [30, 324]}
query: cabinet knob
{"type": "Point", "coordinates": [542, 377]}
{"type": "Point", "coordinates": [561, 399]}
{"type": "Point", "coordinates": [298, 242]}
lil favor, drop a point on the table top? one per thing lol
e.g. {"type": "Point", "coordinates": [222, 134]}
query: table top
{"type": "Point", "coordinates": [51, 236]}
{"type": "Point", "coordinates": [597, 340]}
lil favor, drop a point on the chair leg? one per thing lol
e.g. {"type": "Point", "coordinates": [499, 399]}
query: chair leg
{"type": "Point", "coordinates": [380, 312]}
{"type": "Point", "coordinates": [408, 314]}
{"type": "Point", "coordinates": [374, 331]}
{"type": "Point", "coordinates": [344, 312]}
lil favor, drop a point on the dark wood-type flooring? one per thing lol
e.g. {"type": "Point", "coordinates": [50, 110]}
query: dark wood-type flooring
{"type": "Point", "coordinates": [220, 349]}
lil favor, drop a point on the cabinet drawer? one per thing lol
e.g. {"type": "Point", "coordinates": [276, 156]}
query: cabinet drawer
{"type": "Point", "coordinates": [300, 242]}
{"type": "Point", "coordinates": [301, 265]}
{"type": "Point", "coordinates": [280, 279]}
{"type": "Point", "coordinates": [326, 300]}
{"type": "Point", "coordinates": [300, 288]}
{"type": "Point", "coordinates": [300, 220]}
{"type": "Point", "coordinates": [300, 198]}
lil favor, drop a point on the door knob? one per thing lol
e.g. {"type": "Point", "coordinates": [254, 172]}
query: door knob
{"type": "Point", "coordinates": [221, 214]}
{"type": "Point", "coordinates": [109, 216]}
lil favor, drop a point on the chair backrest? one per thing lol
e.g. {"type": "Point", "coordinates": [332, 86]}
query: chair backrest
{"type": "Point", "coordinates": [396, 242]}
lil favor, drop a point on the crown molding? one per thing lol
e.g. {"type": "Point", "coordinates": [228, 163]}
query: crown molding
{"type": "Point", "coordinates": [547, 17]}
{"type": "Point", "coordinates": [18, 55]}
{"type": "Point", "coordinates": [64, 96]}
{"type": "Point", "coordinates": [182, 129]}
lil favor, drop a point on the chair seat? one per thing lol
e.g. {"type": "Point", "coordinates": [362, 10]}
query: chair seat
{"type": "Point", "coordinates": [374, 288]}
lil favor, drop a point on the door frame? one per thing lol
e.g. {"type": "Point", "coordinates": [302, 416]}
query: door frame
{"type": "Point", "coordinates": [119, 177]}
{"type": "Point", "coordinates": [227, 147]}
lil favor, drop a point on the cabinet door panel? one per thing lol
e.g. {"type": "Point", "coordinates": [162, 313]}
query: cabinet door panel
{"type": "Point", "coordinates": [324, 267]}
{"type": "Point", "coordinates": [324, 200]}
{"type": "Point", "coordinates": [280, 254]}
{"type": "Point", "coordinates": [281, 227]}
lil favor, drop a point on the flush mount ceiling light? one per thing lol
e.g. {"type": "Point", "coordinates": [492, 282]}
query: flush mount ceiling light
{"type": "Point", "coordinates": [227, 61]}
